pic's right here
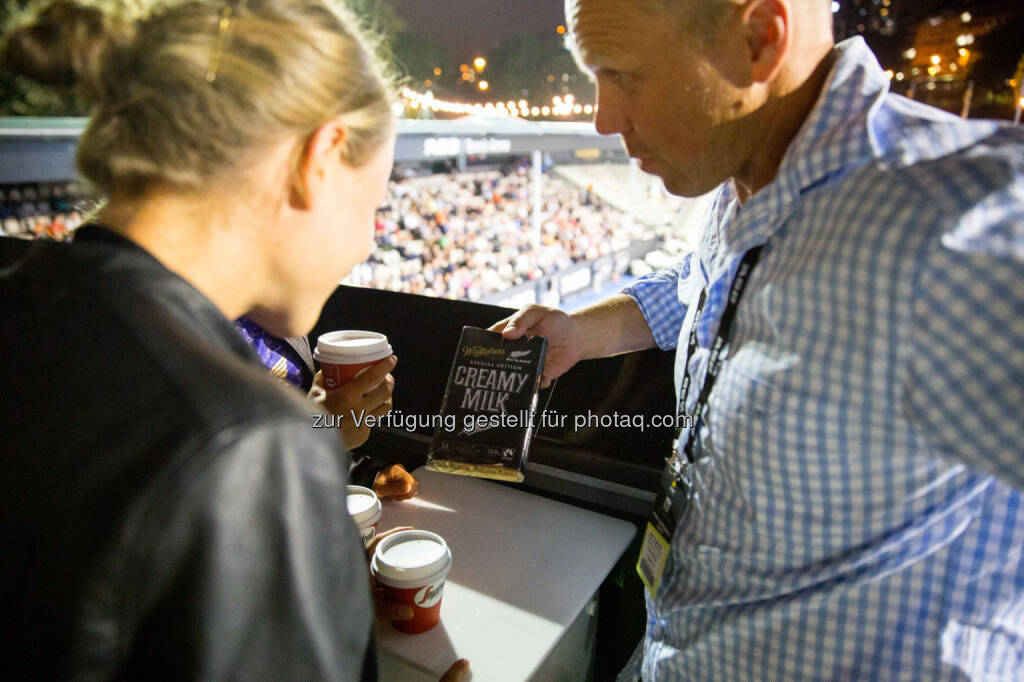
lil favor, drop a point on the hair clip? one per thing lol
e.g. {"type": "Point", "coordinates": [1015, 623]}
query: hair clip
{"type": "Point", "coordinates": [222, 32]}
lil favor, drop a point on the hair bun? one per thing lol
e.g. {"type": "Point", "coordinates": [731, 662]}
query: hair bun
{"type": "Point", "coordinates": [64, 45]}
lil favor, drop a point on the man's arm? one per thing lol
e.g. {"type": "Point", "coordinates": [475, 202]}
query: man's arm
{"type": "Point", "coordinates": [646, 315]}
{"type": "Point", "coordinates": [963, 384]}
{"type": "Point", "coordinates": [610, 327]}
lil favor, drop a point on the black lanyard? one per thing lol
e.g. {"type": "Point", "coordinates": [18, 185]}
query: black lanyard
{"type": "Point", "coordinates": [739, 283]}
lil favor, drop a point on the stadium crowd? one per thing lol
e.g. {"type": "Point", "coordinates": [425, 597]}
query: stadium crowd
{"type": "Point", "coordinates": [50, 211]}
{"type": "Point", "coordinates": [459, 236]}
{"type": "Point", "coordinates": [469, 235]}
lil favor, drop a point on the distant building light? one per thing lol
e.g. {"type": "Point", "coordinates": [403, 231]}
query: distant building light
{"type": "Point", "coordinates": [587, 109]}
{"type": "Point", "coordinates": [965, 17]}
{"type": "Point", "coordinates": [835, 7]}
{"type": "Point", "coordinates": [910, 54]}
{"type": "Point", "coordinates": [890, 74]}
{"type": "Point", "coordinates": [936, 59]}
{"type": "Point", "coordinates": [900, 76]}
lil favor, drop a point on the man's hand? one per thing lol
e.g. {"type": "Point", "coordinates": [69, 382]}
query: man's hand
{"type": "Point", "coordinates": [368, 394]}
{"type": "Point", "coordinates": [565, 340]}
{"type": "Point", "coordinates": [396, 483]}
{"type": "Point", "coordinates": [613, 326]}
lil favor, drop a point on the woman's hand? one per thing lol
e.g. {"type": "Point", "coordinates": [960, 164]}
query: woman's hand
{"type": "Point", "coordinates": [367, 394]}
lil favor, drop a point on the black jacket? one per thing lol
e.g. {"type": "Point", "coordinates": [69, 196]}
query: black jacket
{"type": "Point", "coordinates": [166, 508]}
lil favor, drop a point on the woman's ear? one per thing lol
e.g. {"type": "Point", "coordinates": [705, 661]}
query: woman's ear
{"type": "Point", "coordinates": [317, 162]}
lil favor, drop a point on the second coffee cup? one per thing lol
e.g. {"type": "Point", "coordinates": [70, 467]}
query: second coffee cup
{"type": "Point", "coordinates": [411, 566]}
{"type": "Point", "coordinates": [365, 509]}
{"type": "Point", "coordinates": [344, 354]}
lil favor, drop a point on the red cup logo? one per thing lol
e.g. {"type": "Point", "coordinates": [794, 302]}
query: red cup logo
{"type": "Point", "coordinates": [429, 595]}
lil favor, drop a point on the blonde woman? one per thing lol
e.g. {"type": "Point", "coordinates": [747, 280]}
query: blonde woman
{"type": "Point", "coordinates": [168, 511]}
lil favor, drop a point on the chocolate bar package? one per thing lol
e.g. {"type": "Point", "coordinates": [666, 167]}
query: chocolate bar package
{"type": "Point", "coordinates": [492, 395]}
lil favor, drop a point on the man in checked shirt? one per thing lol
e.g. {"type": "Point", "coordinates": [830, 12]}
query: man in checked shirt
{"type": "Point", "coordinates": [862, 458]}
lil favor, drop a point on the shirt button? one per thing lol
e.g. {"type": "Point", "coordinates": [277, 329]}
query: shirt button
{"type": "Point", "coordinates": [658, 631]}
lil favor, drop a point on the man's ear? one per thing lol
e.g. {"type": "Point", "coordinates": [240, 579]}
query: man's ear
{"type": "Point", "coordinates": [768, 25]}
{"type": "Point", "coordinates": [323, 150]}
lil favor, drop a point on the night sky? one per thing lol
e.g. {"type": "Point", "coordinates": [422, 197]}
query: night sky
{"type": "Point", "coordinates": [468, 27]}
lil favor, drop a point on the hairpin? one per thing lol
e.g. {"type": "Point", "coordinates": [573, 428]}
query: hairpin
{"type": "Point", "coordinates": [222, 33]}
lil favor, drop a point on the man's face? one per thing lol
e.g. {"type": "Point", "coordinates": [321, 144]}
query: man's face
{"type": "Point", "coordinates": [669, 95]}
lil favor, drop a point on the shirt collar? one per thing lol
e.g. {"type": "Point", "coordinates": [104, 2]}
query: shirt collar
{"type": "Point", "coordinates": [836, 136]}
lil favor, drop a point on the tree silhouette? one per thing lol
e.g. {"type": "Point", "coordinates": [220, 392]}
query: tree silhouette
{"type": "Point", "coordinates": [1001, 51]}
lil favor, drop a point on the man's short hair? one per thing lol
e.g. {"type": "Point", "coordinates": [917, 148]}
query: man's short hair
{"type": "Point", "coordinates": [704, 16]}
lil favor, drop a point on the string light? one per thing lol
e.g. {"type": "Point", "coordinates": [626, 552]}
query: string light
{"type": "Point", "coordinates": [561, 106]}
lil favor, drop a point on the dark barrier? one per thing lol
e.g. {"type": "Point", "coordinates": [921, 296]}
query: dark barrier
{"type": "Point", "coordinates": [12, 248]}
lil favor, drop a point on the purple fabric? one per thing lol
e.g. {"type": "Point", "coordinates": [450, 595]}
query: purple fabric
{"type": "Point", "coordinates": [280, 358]}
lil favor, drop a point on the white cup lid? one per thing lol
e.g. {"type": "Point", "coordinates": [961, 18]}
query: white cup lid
{"type": "Point", "coordinates": [363, 505]}
{"type": "Point", "coordinates": [411, 557]}
{"type": "Point", "coordinates": [351, 346]}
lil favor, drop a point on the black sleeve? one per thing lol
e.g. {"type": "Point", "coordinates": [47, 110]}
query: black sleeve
{"type": "Point", "coordinates": [365, 470]}
{"type": "Point", "coordinates": [252, 566]}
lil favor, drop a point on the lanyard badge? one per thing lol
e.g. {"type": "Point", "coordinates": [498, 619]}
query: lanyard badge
{"type": "Point", "coordinates": [673, 499]}
{"type": "Point", "coordinates": [680, 487]}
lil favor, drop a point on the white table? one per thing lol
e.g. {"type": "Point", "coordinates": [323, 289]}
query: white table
{"type": "Point", "coordinates": [523, 569]}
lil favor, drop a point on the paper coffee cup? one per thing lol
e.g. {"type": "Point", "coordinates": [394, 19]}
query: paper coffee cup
{"type": "Point", "coordinates": [343, 354]}
{"type": "Point", "coordinates": [412, 566]}
{"type": "Point", "coordinates": [365, 509]}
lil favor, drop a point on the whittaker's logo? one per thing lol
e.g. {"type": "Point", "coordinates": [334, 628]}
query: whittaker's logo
{"type": "Point", "coordinates": [429, 595]}
{"type": "Point", "coordinates": [483, 352]}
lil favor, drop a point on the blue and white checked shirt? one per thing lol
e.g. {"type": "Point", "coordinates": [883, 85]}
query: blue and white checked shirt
{"type": "Point", "coordinates": [863, 516]}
